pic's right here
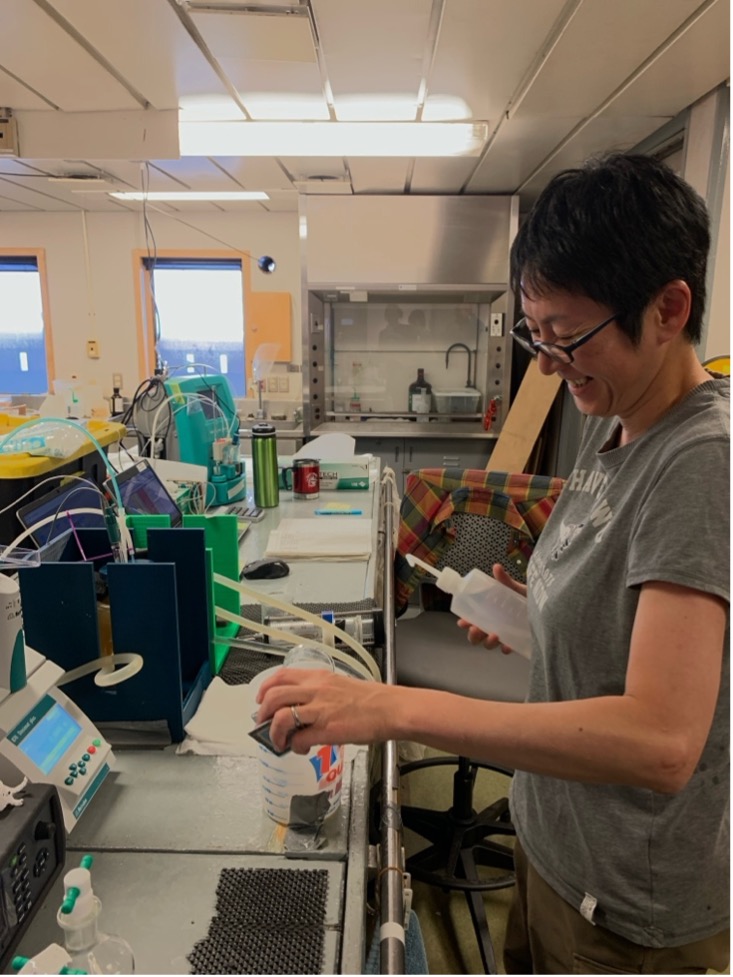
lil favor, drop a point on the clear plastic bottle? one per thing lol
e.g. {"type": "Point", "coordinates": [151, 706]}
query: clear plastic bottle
{"type": "Point", "coordinates": [486, 603]}
{"type": "Point", "coordinates": [90, 949]}
{"type": "Point", "coordinates": [301, 790]}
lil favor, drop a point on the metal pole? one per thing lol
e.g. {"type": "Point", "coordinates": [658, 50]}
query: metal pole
{"type": "Point", "coordinates": [391, 869]}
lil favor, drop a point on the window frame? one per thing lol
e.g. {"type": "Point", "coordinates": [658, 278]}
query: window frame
{"type": "Point", "coordinates": [40, 257]}
{"type": "Point", "coordinates": [144, 311]}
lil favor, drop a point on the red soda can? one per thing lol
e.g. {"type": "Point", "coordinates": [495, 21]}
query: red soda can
{"type": "Point", "coordinates": [306, 478]}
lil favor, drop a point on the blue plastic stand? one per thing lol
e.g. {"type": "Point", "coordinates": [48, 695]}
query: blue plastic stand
{"type": "Point", "coordinates": [159, 608]}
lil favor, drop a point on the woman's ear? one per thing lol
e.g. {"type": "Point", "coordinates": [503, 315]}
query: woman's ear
{"type": "Point", "coordinates": [672, 305]}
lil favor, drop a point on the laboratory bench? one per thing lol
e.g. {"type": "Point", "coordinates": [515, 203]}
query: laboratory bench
{"type": "Point", "coordinates": [164, 826]}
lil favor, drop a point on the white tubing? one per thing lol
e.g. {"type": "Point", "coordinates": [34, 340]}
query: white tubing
{"type": "Point", "coordinates": [282, 605]}
{"type": "Point", "coordinates": [107, 674]}
{"type": "Point", "coordinates": [367, 668]}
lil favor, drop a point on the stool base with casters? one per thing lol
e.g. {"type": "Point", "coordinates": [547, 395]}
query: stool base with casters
{"type": "Point", "coordinates": [460, 841]}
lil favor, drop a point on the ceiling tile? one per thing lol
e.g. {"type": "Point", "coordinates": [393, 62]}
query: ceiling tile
{"type": "Point", "coordinates": [373, 47]}
{"type": "Point", "coordinates": [520, 145]}
{"type": "Point", "coordinates": [598, 51]}
{"type": "Point", "coordinates": [440, 175]}
{"type": "Point", "coordinates": [256, 37]}
{"type": "Point", "coordinates": [472, 64]}
{"type": "Point", "coordinates": [148, 46]}
{"type": "Point", "coordinates": [36, 50]}
{"type": "Point", "coordinates": [379, 175]}
{"type": "Point", "coordinates": [599, 135]}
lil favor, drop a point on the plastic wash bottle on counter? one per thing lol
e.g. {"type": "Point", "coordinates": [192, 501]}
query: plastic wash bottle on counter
{"type": "Point", "coordinates": [486, 603]}
{"type": "Point", "coordinates": [90, 949]}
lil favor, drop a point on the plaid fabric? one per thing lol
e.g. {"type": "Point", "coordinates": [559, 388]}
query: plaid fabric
{"type": "Point", "coordinates": [431, 497]}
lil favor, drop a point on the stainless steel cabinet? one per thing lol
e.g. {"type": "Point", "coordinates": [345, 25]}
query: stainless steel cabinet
{"type": "Point", "coordinates": [404, 455]}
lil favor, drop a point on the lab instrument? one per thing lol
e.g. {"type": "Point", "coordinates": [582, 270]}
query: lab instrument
{"type": "Point", "coordinates": [32, 851]}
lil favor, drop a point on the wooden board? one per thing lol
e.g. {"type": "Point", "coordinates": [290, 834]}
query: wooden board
{"type": "Point", "coordinates": [524, 421]}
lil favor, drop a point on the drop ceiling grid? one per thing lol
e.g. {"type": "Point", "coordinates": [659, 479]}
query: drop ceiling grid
{"type": "Point", "coordinates": [378, 175]}
{"type": "Point", "coordinates": [45, 57]}
{"type": "Point", "coordinates": [198, 173]}
{"type": "Point", "coordinates": [519, 147]}
{"type": "Point", "coordinates": [255, 37]}
{"type": "Point", "coordinates": [612, 133]}
{"type": "Point", "coordinates": [373, 48]}
{"type": "Point", "coordinates": [598, 50]}
{"type": "Point", "coordinates": [440, 175]}
{"type": "Point", "coordinates": [37, 194]}
{"type": "Point", "coordinates": [126, 175]}
{"type": "Point", "coordinates": [681, 77]}
{"type": "Point", "coordinates": [472, 63]}
{"type": "Point", "coordinates": [149, 47]}
{"type": "Point", "coordinates": [255, 172]}
{"type": "Point", "coordinates": [16, 95]}
{"type": "Point", "coordinates": [285, 78]}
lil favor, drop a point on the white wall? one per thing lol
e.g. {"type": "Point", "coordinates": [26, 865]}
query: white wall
{"type": "Point", "coordinates": [101, 306]}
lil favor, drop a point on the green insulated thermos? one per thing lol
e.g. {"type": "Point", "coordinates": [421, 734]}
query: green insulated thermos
{"type": "Point", "coordinates": [264, 463]}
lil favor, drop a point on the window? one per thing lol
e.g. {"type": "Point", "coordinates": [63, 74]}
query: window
{"type": "Point", "coordinates": [197, 310]}
{"type": "Point", "coordinates": [25, 348]}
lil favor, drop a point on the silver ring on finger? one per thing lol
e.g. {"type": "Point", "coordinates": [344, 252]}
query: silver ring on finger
{"type": "Point", "coordinates": [297, 721]}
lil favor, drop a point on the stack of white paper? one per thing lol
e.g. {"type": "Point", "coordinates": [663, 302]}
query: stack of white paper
{"type": "Point", "coordinates": [334, 538]}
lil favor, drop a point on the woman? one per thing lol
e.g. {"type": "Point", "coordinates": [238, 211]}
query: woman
{"type": "Point", "coordinates": [620, 800]}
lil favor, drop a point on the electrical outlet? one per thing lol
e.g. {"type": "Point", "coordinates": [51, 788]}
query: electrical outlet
{"type": "Point", "coordinates": [92, 349]}
{"type": "Point", "coordinates": [283, 384]}
{"type": "Point", "coordinates": [272, 385]}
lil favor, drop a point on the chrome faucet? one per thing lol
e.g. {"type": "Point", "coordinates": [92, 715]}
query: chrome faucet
{"type": "Point", "coordinates": [447, 357]}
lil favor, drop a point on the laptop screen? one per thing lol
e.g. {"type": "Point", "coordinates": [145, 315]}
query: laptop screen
{"type": "Point", "coordinates": [78, 494]}
{"type": "Point", "coordinates": [143, 493]}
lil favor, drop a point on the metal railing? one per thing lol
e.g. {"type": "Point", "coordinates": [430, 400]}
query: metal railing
{"type": "Point", "coordinates": [390, 880]}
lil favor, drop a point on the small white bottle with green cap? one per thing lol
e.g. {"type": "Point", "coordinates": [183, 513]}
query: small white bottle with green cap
{"type": "Point", "coordinates": [90, 949]}
{"type": "Point", "coordinates": [486, 603]}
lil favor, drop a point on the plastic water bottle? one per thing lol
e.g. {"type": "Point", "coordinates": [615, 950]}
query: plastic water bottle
{"type": "Point", "coordinates": [485, 603]}
{"type": "Point", "coordinates": [90, 950]}
{"type": "Point", "coordinates": [301, 790]}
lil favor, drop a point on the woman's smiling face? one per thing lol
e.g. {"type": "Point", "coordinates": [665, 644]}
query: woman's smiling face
{"type": "Point", "coordinates": [609, 376]}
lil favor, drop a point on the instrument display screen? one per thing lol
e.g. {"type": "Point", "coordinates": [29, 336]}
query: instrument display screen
{"type": "Point", "coordinates": [48, 737]}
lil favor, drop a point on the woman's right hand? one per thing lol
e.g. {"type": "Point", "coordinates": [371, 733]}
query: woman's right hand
{"type": "Point", "coordinates": [478, 637]}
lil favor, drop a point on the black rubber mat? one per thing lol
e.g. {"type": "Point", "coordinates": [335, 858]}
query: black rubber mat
{"type": "Point", "coordinates": [268, 921]}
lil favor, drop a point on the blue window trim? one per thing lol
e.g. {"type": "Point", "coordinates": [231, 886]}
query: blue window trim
{"type": "Point", "coordinates": [18, 263]}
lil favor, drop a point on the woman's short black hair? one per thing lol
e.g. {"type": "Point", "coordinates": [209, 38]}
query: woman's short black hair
{"type": "Point", "coordinates": [617, 230]}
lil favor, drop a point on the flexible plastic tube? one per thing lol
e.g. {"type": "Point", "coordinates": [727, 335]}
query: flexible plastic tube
{"type": "Point", "coordinates": [368, 670]}
{"type": "Point", "coordinates": [107, 674]}
{"type": "Point", "coordinates": [326, 626]}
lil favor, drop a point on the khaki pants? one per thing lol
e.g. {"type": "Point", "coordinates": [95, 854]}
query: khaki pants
{"type": "Point", "coordinates": [545, 935]}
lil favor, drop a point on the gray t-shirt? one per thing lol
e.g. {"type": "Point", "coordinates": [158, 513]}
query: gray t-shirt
{"type": "Point", "coordinates": [655, 509]}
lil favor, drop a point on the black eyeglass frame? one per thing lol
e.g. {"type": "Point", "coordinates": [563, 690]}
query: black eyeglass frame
{"type": "Point", "coordinates": [561, 354]}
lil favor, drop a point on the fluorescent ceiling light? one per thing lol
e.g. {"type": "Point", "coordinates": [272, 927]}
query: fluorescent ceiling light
{"type": "Point", "coordinates": [193, 195]}
{"type": "Point", "coordinates": [278, 106]}
{"type": "Point", "coordinates": [332, 138]}
{"type": "Point", "coordinates": [399, 108]}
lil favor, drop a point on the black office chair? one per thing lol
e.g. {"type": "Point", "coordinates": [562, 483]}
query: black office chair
{"type": "Point", "coordinates": [463, 519]}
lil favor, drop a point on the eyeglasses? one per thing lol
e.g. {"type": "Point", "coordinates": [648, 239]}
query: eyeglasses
{"type": "Point", "coordinates": [561, 354]}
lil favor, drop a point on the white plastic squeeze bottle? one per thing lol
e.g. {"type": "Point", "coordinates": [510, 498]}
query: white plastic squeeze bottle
{"type": "Point", "coordinates": [486, 603]}
{"type": "Point", "coordinates": [91, 950]}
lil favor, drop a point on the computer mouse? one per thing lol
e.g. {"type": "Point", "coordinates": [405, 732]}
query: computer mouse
{"type": "Point", "coordinates": [265, 570]}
